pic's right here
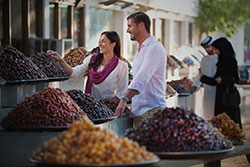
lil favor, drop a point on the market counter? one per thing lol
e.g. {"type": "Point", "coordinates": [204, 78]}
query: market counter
{"type": "Point", "coordinates": [238, 150]}
{"type": "Point", "coordinates": [16, 149]}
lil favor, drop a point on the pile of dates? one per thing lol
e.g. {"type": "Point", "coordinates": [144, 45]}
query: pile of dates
{"type": "Point", "coordinates": [48, 65]}
{"type": "Point", "coordinates": [76, 56]}
{"type": "Point", "coordinates": [178, 130]}
{"type": "Point", "coordinates": [182, 86]}
{"type": "Point", "coordinates": [179, 88]}
{"type": "Point", "coordinates": [49, 107]}
{"type": "Point", "coordinates": [112, 104]}
{"type": "Point", "coordinates": [227, 127]}
{"type": "Point", "coordinates": [14, 65]}
{"type": "Point", "coordinates": [83, 143]}
{"type": "Point", "coordinates": [91, 106]}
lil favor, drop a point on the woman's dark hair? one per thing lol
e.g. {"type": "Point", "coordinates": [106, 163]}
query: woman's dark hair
{"type": "Point", "coordinates": [225, 47]}
{"type": "Point", "coordinates": [141, 17]}
{"type": "Point", "coordinates": [113, 37]}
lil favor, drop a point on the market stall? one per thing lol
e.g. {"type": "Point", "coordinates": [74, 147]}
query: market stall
{"type": "Point", "coordinates": [29, 117]}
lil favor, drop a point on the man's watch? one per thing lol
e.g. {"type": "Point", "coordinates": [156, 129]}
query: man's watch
{"type": "Point", "coordinates": [125, 98]}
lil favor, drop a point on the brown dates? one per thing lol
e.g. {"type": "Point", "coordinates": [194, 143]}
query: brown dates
{"type": "Point", "coordinates": [178, 130]}
{"type": "Point", "coordinates": [49, 107]}
{"type": "Point", "coordinates": [14, 65]}
{"type": "Point", "coordinates": [91, 106]}
{"type": "Point", "coordinates": [75, 56]}
{"type": "Point", "coordinates": [48, 65]}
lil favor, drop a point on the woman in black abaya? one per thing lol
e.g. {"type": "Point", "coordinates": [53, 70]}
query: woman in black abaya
{"type": "Point", "coordinates": [227, 74]}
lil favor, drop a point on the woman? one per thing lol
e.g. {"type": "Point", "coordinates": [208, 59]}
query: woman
{"type": "Point", "coordinates": [107, 73]}
{"type": "Point", "coordinates": [226, 76]}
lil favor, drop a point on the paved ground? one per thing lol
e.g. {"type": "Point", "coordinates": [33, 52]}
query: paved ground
{"type": "Point", "coordinates": [240, 161]}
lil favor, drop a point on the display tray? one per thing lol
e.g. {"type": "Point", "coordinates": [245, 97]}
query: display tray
{"type": "Point", "coordinates": [16, 82]}
{"type": "Point", "coordinates": [190, 155]}
{"type": "Point", "coordinates": [184, 94]}
{"type": "Point", "coordinates": [103, 120]}
{"type": "Point", "coordinates": [37, 128]}
{"type": "Point", "coordinates": [95, 165]}
{"type": "Point", "coordinates": [54, 79]}
{"type": "Point", "coordinates": [243, 82]}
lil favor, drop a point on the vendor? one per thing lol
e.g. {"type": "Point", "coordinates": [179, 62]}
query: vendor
{"type": "Point", "coordinates": [107, 73]}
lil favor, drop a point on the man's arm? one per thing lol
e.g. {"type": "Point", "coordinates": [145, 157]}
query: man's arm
{"type": "Point", "coordinates": [130, 93]}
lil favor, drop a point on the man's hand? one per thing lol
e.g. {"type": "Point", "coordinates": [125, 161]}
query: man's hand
{"type": "Point", "coordinates": [120, 108]}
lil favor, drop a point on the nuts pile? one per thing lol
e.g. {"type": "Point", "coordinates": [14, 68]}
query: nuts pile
{"type": "Point", "coordinates": [49, 107]}
{"type": "Point", "coordinates": [91, 106]}
{"type": "Point", "coordinates": [14, 65]}
{"type": "Point", "coordinates": [112, 104]}
{"type": "Point", "coordinates": [83, 143]}
{"type": "Point", "coordinates": [75, 56]}
{"type": "Point", "coordinates": [227, 127]}
{"type": "Point", "coordinates": [48, 65]}
{"type": "Point", "coordinates": [178, 130]}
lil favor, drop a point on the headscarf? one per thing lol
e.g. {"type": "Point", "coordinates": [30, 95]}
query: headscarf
{"type": "Point", "coordinates": [225, 47]}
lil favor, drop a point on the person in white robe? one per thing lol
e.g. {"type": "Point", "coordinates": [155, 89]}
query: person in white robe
{"type": "Point", "coordinates": [208, 68]}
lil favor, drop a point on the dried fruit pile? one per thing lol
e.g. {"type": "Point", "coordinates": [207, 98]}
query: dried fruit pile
{"type": "Point", "coordinates": [179, 88]}
{"type": "Point", "coordinates": [180, 63]}
{"type": "Point", "coordinates": [91, 106]}
{"type": "Point", "coordinates": [227, 127]}
{"type": "Point", "coordinates": [170, 90]}
{"type": "Point", "coordinates": [172, 63]}
{"type": "Point", "coordinates": [49, 107]}
{"type": "Point", "coordinates": [182, 86]}
{"type": "Point", "coordinates": [178, 130]}
{"type": "Point", "coordinates": [112, 104]}
{"type": "Point", "coordinates": [83, 143]}
{"type": "Point", "coordinates": [48, 65]}
{"type": "Point", "coordinates": [76, 56]}
{"type": "Point", "coordinates": [14, 65]}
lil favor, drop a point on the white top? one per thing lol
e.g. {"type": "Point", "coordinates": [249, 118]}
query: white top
{"type": "Point", "coordinates": [149, 76]}
{"type": "Point", "coordinates": [114, 85]}
{"type": "Point", "coordinates": [208, 66]}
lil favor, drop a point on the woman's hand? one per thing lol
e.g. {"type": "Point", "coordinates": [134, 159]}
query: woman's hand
{"type": "Point", "coordinates": [55, 55]}
{"type": "Point", "coordinates": [61, 61]}
{"type": "Point", "coordinates": [218, 80]}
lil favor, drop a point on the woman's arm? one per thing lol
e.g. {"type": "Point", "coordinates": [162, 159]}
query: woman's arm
{"type": "Point", "coordinates": [64, 65]}
{"type": "Point", "coordinates": [208, 80]}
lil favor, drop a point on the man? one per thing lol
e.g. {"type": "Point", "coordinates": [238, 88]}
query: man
{"type": "Point", "coordinates": [208, 68]}
{"type": "Point", "coordinates": [147, 89]}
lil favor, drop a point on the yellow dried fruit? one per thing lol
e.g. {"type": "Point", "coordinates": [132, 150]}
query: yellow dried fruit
{"type": "Point", "coordinates": [228, 128]}
{"type": "Point", "coordinates": [84, 143]}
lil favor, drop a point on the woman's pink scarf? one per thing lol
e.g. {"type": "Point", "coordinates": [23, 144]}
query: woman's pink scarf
{"type": "Point", "coordinates": [97, 77]}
